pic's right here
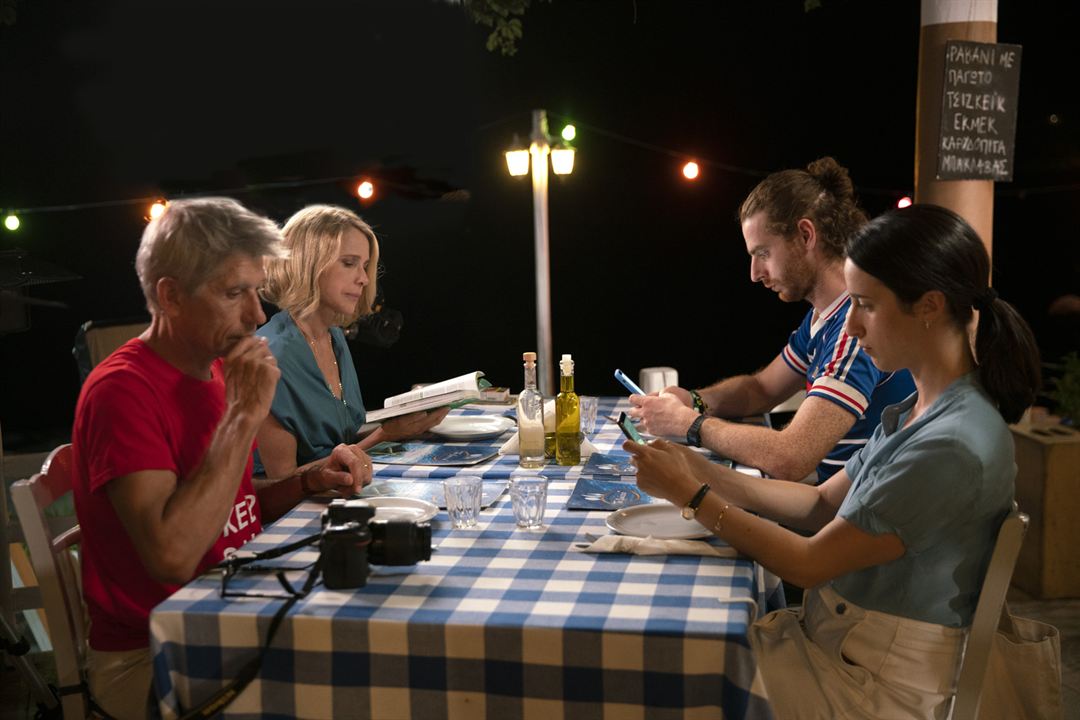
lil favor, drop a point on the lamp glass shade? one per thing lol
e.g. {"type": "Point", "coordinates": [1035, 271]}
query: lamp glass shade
{"type": "Point", "coordinates": [517, 162]}
{"type": "Point", "coordinates": [562, 161]}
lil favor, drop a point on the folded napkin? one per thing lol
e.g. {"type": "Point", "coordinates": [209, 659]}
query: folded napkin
{"type": "Point", "coordinates": [510, 447]}
{"type": "Point", "coordinates": [655, 546]}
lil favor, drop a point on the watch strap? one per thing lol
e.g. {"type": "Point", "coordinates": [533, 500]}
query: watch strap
{"type": "Point", "coordinates": [690, 510]}
{"type": "Point", "coordinates": [693, 435]}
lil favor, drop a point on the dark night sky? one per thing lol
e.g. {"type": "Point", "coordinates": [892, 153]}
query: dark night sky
{"type": "Point", "coordinates": [113, 100]}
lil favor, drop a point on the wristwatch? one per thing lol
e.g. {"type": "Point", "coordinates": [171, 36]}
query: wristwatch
{"type": "Point", "coordinates": [693, 435]}
{"type": "Point", "coordinates": [689, 511]}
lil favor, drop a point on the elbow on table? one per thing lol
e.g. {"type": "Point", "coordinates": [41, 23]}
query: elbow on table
{"type": "Point", "coordinates": [170, 565]}
{"type": "Point", "coordinates": [792, 467]}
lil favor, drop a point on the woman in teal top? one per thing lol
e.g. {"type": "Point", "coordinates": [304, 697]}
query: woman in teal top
{"type": "Point", "coordinates": [327, 281]}
{"type": "Point", "coordinates": [901, 538]}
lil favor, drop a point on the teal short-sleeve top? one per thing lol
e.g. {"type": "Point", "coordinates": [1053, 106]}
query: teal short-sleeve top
{"type": "Point", "coordinates": [303, 402]}
{"type": "Point", "coordinates": [943, 484]}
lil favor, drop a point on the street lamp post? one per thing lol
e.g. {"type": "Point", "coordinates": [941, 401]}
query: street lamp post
{"type": "Point", "coordinates": [517, 162]}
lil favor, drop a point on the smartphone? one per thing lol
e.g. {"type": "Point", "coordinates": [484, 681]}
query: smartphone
{"type": "Point", "coordinates": [629, 430]}
{"type": "Point", "coordinates": [628, 383]}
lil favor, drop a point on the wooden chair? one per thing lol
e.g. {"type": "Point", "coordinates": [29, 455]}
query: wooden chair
{"type": "Point", "coordinates": [96, 339]}
{"type": "Point", "coordinates": [987, 614]}
{"type": "Point", "coordinates": [52, 553]}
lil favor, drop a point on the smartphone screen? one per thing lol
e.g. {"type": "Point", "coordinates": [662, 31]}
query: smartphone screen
{"type": "Point", "coordinates": [629, 430]}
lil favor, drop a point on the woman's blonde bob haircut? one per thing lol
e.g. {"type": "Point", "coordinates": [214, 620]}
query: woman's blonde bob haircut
{"type": "Point", "coordinates": [313, 237]}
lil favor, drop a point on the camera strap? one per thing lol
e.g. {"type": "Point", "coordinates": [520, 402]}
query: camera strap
{"type": "Point", "coordinates": [224, 697]}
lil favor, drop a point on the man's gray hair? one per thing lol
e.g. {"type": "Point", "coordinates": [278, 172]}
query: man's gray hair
{"type": "Point", "coordinates": [192, 238]}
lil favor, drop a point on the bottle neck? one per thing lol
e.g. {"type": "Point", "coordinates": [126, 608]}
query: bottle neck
{"type": "Point", "coordinates": [530, 377]}
{"type": "Point", "coordinates": [566, 383]}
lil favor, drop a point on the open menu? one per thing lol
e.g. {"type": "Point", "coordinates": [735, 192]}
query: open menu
{"type": "Point", "coordinates": [454, 392]}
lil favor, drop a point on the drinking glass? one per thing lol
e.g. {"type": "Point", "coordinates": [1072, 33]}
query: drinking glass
{"type": "Point", "coordinates": [528, 496]}
{"type": "Point", "coordinates": [587, 407]}
{"type": "Point", "coordinates": [463, 499]}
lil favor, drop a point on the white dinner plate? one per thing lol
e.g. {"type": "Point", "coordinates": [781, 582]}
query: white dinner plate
{"type": "Point", "coordinates": [402, 508]}
{"type": "Point", "coordinates": [473, 427]}
{"type": "Point", "coordinates": [660, 520]}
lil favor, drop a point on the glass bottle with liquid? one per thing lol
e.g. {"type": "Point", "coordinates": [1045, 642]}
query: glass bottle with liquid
{"type": "Point", "coordinates": [567, 416]}
{"type": "Point", "coordinates": [530, 418]}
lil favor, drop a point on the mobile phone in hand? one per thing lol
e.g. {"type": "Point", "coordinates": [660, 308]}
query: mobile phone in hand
{"type": "Point", "coordinates": [629, 430]}
{"type": "Point", "coordinates": [628, 383]}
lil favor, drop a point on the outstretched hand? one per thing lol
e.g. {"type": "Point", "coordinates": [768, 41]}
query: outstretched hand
{"type": "Point", "coordinates": [667, 470]}
{"type": "Point", "coordinates": [664, 414]}
{"type": "Point", "coordinates": [346, 471]}
{"type": "Point", "coordinates": [413, 424]}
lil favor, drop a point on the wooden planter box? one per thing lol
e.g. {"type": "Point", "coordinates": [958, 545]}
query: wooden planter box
{"type": "Point", "coordinates": [1048, 489]}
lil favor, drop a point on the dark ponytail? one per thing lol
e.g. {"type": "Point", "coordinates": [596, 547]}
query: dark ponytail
{"type": "Point", "coordinates": [1008, 358]}
{"type": "Point", "coordinates": [925, 247]}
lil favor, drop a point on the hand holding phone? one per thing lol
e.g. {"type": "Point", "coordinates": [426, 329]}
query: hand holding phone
{"type": "Point", "coordinates": [628, 383]}
{"type": "Point", "coordinates": [629, 430]}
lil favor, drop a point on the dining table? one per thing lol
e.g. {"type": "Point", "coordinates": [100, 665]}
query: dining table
{"type": "Point", "coordinates": [501, 622]}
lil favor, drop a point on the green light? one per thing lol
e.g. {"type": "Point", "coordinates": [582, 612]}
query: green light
{"type": "Point", "coordinates": [11, 222]}
{"type": "Point", "coordinates": [569, 133]}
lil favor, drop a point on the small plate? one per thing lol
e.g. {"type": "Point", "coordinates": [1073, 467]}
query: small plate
{"type": "Point", "coordinates": [402, 508]}
{"type": "Point", "coordinates": [473, 427]}
{"type": "Point", "coordinates": [660, 520]}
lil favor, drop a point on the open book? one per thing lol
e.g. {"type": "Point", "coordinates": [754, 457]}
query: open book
{"type": "Point", "coordinates": [455, 391]}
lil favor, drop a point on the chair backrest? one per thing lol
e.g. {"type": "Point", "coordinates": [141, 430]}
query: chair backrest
{"type": "Point", "coordinates": [987, 614]}
{"type": "Point", "coordinates": [56, 565]}
{"type": "Point", "coordinates": [96, 339]}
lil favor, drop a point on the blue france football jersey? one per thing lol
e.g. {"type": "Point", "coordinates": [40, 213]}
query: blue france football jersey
{"type": "Point", "coordinates": [838, 370]}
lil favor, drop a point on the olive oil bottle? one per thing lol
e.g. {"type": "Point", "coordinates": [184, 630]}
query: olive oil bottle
{"type": "Point", "coordinates": [567, 416]}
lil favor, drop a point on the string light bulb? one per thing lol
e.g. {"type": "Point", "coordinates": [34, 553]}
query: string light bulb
{"type": "Point", "coordinates": [157, 209]}
{"type": "Point", "coordinates": [11, 222]}
{"type": "Point", "coordinates": [365, 190]}
{"type": "Point", "coordinates": [903, 202]}
{"type": "Point", "coordinates": [569, 133]}
{"type": "Point", "coordinates": [691, 170]}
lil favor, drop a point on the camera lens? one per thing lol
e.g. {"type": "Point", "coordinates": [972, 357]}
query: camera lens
{"type": "Point", "coordinates": [399, 542]}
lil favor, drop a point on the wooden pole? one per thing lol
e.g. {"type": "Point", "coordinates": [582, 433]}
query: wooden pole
{"type": "Point", "coordinates": [943, 20]}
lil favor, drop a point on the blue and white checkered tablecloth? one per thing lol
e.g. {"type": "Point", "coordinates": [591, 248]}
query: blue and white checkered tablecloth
{"type": "Point", "coordinates": [503, 622]}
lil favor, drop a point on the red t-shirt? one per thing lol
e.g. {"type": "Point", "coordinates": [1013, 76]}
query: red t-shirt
{"type": "Point", "coordinates": [138, 412]}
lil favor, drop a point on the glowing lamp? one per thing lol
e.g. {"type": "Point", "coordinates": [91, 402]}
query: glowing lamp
{"type": "Point", "coordinates": [903, 202]}
{"type": "Point", "coordinates": [365, 190]}
{"type": "Point", "coordinates": [562, 159]}
{"type": "Point", "coordinates": [691, 170]}
{"type": "Point", "coordinates": [517, 162]}
{"type": "Point", "coordinates": [11, 222]}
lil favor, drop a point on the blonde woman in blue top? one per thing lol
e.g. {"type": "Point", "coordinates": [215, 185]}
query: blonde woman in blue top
{"type": "Point", "coordinates": [903, 535]}
{"type": "Point", "coordinates": [328, 281]}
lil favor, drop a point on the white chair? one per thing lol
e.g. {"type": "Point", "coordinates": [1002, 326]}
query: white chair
{"type": "Point", "coordinates": [987, 614]}
{"type": "Point", "coordinates": [52, 554]}
{"type": "Point", "coordinates": [790, 405]}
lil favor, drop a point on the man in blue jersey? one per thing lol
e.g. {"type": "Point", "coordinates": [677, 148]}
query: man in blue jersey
{"type": "Point", "coordinates": [795, 224]}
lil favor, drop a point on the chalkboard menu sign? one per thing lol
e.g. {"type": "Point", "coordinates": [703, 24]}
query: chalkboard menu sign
{"type": "Point", "coordinates": [978, 111]}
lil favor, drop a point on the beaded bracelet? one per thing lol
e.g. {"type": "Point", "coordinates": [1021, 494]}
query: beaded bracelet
{"type": "Point", "coordinates": [699, 402]}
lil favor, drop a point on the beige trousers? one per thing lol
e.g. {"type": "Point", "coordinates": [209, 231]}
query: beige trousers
{"type": "Point", "coordinates": [120, 681]}
{"type": "Point", "coordinates": [833, 659]}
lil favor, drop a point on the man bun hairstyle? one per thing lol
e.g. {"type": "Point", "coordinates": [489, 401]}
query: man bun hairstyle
{"type": "Point", "coordinates": [822, 193]}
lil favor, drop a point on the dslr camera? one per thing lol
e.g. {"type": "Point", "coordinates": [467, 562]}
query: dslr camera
{"type": "Point", "coordinates": [351, 540]}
